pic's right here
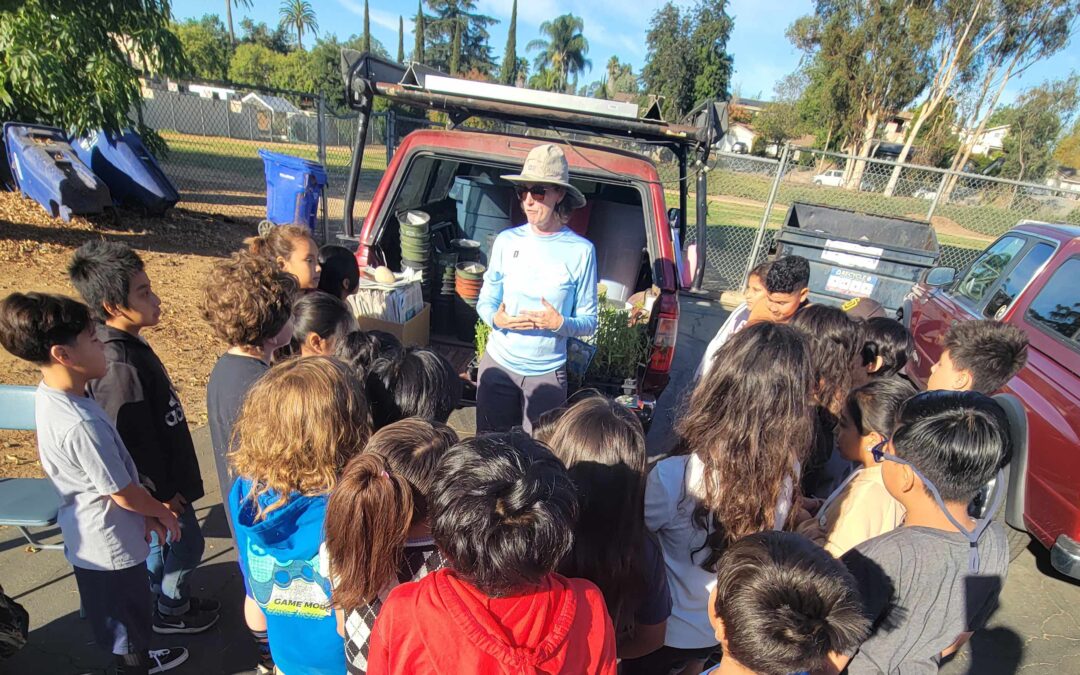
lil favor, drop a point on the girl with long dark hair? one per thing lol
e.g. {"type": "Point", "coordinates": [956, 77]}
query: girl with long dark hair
{"type": "Point", "coordinates": [742, 439]}
{"type": "Point", "coordinates": [602, 445]}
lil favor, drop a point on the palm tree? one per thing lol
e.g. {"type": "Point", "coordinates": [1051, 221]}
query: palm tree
{"type": "Point", "coordinates": [299, 14]}
{"type": "Point", "coordinates": [228, 15]}
{"type": "Point", "coordinates": [564, 51]}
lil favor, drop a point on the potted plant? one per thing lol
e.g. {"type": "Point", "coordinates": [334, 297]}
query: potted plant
{"type": "Point", "coordinates": [482, 332]}
{"type": "Point", "coordinates": [621, 343]}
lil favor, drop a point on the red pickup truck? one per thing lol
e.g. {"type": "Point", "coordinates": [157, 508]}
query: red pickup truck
{"type": "Point", "coordinates": [636, 236]}
{"type": "Point", "coordinates": [1029, 277]}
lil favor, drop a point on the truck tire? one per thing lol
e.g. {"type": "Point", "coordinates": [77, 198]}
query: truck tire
{"type": "Point", "coordinates": [1018, 539]}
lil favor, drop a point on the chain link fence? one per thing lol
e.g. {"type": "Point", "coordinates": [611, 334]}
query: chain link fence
{"type": "Point", "coordinates": [213, 148]}
{"type": "Point", "coordinates": [213, 160]}
{"type": "Point", "coordinates": [967, 211]}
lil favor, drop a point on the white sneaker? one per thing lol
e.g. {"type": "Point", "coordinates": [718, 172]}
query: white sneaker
{"type": "Point", "coordinates": [166, 659]}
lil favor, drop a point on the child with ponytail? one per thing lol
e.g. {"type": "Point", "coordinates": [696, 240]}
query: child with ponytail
{"type": "Point", "coordinates": [378, 534]}
{"type": "Point", "coordinates": [293, 249]}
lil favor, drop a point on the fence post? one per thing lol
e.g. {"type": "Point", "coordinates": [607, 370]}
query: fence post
{"type": "Point", "coordinates": [760, 238]}
{"type": "Point", "coordinates": [226, 104]}
{"type": "Point", "coordinates": [937, 197]}
{"type": "Point", "coordinates": [390, 127]}
{"type": "Point", "coordinates": [251, 127]}
{"type": "Point", "coordinates": [320, 136]}
{"type": "Point", "coordinates": [172, 109]}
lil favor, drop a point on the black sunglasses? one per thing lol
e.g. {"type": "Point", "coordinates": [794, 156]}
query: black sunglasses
{"type": "Point", "coordinates": [537, 191]}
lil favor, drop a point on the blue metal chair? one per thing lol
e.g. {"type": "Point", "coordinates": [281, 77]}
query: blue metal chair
{"type": "Point", "coordinates": [25, 502]}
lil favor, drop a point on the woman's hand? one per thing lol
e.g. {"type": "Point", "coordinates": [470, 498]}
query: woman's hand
{"type": "Point", "coordinates": [506, 322]}
{"type": "Point", "coordinates": [547, 318]}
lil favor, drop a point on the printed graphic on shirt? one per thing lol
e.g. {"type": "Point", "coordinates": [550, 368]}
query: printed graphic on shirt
{"type": "Point", "coordinates": [176, 411]}
{"type": "Point", "coordinates": [296, 588]}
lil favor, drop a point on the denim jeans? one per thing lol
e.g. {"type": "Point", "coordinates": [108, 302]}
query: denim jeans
{"type": "Point", "coordinates": [170, 564]}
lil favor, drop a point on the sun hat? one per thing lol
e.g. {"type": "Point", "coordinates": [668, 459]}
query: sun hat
{"type": "Point", "coordinates": [547, 164]}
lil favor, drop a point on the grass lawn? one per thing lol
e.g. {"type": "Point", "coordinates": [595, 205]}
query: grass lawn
{"type": "Point", "coordinates": [217, 153]}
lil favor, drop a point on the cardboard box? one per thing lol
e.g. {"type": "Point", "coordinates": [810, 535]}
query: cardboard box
{"type": "Point", "coordinates": [413, 333]}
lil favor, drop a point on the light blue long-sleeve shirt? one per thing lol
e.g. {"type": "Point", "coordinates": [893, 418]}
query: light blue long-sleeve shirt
{"type": "Point", "coordinates": [525, 267]}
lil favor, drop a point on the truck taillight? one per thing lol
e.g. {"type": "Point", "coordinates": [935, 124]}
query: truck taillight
{"type": "Point", "coordinates": [362, 255]}
{"type": "Point", "coordinates": [663, 347]}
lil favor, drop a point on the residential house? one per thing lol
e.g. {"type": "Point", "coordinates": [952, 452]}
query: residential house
{"type": "Point", "coordinates": [989, 141]}
{"type": "Point", "coordinates": [896, 127]}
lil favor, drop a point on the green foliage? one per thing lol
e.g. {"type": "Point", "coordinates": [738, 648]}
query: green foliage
{"type": "Point", "coordinates": [254, 64]}
{"type": "Point", "coordinates": [1067, 152]}
{"type": "Point", "coordinates": [865, 59]}
{"type": "Point", "coordinates": [713, 64]}
{"type": "Point", "coordinates": [275, 39]}
{"type": "Point", "coordinates": [564, 50]}
{"type": "Point", "coordinates": [207, 47]}
{"type": "Point", "coordinates": [757, 147]}
{"type": "Point", "coordinates": [66, 62]}
{"type": "Point", "coordinates": [688, 60]}
{"type": "Point", "coordinates": [1036, 122]}
{"type": "Point", "coordinates": [508, 74]}
{"type": "Point", "coordinates": [620, 77]}
{"type": "Point", "coordinates": [299, 15]}
{"type": "Point", "coordinates": [620, 347]}
{"type": "Point", "coordinates": [456, 27]}
{"type": "Point", "coordinates": [419, 31]}
{"type": "Point", "coordinates": [482, 332]}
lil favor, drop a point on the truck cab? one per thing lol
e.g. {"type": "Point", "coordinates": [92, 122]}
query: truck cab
{"type": "Point", "coordinates": [1029, 277]}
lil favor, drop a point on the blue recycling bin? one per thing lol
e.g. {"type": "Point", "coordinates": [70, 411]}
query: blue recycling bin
{"type": "Point", "coordinates": [127, 167]}
{"type": "Point", "coordinates": [293, 188]}
{"type": "Point", "coordinates": [47, 170]}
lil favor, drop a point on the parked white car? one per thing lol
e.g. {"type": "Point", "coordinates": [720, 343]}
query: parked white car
{"type": "Point", "coordinates": [832, 178]}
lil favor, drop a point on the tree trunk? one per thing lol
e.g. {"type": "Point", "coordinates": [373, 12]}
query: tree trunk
{"type": "Point", "coordinates": [948, 69]}
{"type": "Point", "coordinates": [228, 19]}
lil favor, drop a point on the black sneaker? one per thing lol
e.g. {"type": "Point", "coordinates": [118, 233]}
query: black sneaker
{"type": "Point", "coordinates": [192, 622]}
{"type": "Point", "coordinates": [166, 659]}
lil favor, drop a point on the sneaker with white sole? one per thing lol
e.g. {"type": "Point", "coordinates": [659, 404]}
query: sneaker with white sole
{"type": "Point", "coordinates": [189, 624]}
{"type": "Point", "coordinates": [166, 659]}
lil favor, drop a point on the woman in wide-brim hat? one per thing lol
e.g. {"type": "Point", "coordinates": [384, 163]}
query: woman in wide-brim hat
{"type": "Point", "coordinates": [539, 290]}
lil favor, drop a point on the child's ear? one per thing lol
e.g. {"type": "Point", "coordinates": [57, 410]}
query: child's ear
{"type": "Point", "coordinates": [804, 294]}
{"type": "Point", "coordinates": [316, 344]}
{"type": "Point", "coordinates": [908, 480]}
{"type": "Point", "coordinates": [280, 262]}
{"type": "Point", "coordinates": [963, 380]}
{"type": "Point", "coordinates": [113, 311]}
{"type": "Point", "coordinates": [875, 365]}
{"type": "Point", "coordinates": [60, 354]}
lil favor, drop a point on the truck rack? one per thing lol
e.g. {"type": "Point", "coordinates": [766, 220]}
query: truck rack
{"type": "Point", "coordinates": [366, 76]}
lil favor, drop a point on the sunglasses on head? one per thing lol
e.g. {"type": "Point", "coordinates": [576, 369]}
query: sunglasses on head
{"type": "Point", "coordinates": [537, 191]}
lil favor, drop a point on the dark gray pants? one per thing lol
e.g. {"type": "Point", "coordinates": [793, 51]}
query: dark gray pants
{"type": "Point", "coordinates": [505, 399]}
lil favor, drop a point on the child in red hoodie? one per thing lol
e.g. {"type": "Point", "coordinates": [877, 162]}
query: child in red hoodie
{"type": "Point", "coordinates": [503, 513]}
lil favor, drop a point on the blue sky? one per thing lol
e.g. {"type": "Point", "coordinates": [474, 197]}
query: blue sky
{"type": "Point", "coordinates": [762, 54]}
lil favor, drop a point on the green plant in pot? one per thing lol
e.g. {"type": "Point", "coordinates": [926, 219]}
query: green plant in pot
{"type": "Point", "coordinates": [621, 347]}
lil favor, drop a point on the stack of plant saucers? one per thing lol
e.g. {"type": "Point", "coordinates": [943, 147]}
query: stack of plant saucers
{"type": "Point", "coordinates": [469, 279]}
{"type": "Point", "coordinates": [442, 304]}
{"type": "Point", "coordinates": [416, 246]}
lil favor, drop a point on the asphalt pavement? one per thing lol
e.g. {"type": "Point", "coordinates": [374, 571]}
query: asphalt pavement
{"type": "Point", "coordinates": [1036, 628]}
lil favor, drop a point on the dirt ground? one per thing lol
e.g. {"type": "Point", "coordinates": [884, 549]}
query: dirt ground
{"type": "Point", "coordinates": [179, 249]}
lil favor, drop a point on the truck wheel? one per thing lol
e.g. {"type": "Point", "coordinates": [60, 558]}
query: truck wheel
{"type": "Point", "coordinates": [1018, 539]}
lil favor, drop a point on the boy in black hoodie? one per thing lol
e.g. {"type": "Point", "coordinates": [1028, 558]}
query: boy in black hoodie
{"type": "Point", "coordinates": [138, 395]}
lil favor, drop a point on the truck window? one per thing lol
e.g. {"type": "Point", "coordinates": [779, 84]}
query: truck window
{"type": "Point", "coordinates": [1056, 309]}
{"type": "Point", "coordinates": [987, 269]}
{"type": "Point", "coordinates": [1018, 278]}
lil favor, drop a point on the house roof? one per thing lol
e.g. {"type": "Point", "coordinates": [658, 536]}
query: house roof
{"type": "Point", "coordinates": [751, 102]}
{"type": "Point", "coordinates": [274, 103]}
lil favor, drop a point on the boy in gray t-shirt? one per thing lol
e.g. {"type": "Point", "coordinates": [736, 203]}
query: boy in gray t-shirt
{"type": "Point", "coordinates": [105, 514]}
{"type": "Point", "coordinates": [927, 585]}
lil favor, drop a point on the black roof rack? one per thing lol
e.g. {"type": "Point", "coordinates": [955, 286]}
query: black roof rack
{"type": "Point", "coordinates": [367, 76]}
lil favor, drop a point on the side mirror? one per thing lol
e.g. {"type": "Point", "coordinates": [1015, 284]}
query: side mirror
{"type": "Point", "coordinates": [940, 276]}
